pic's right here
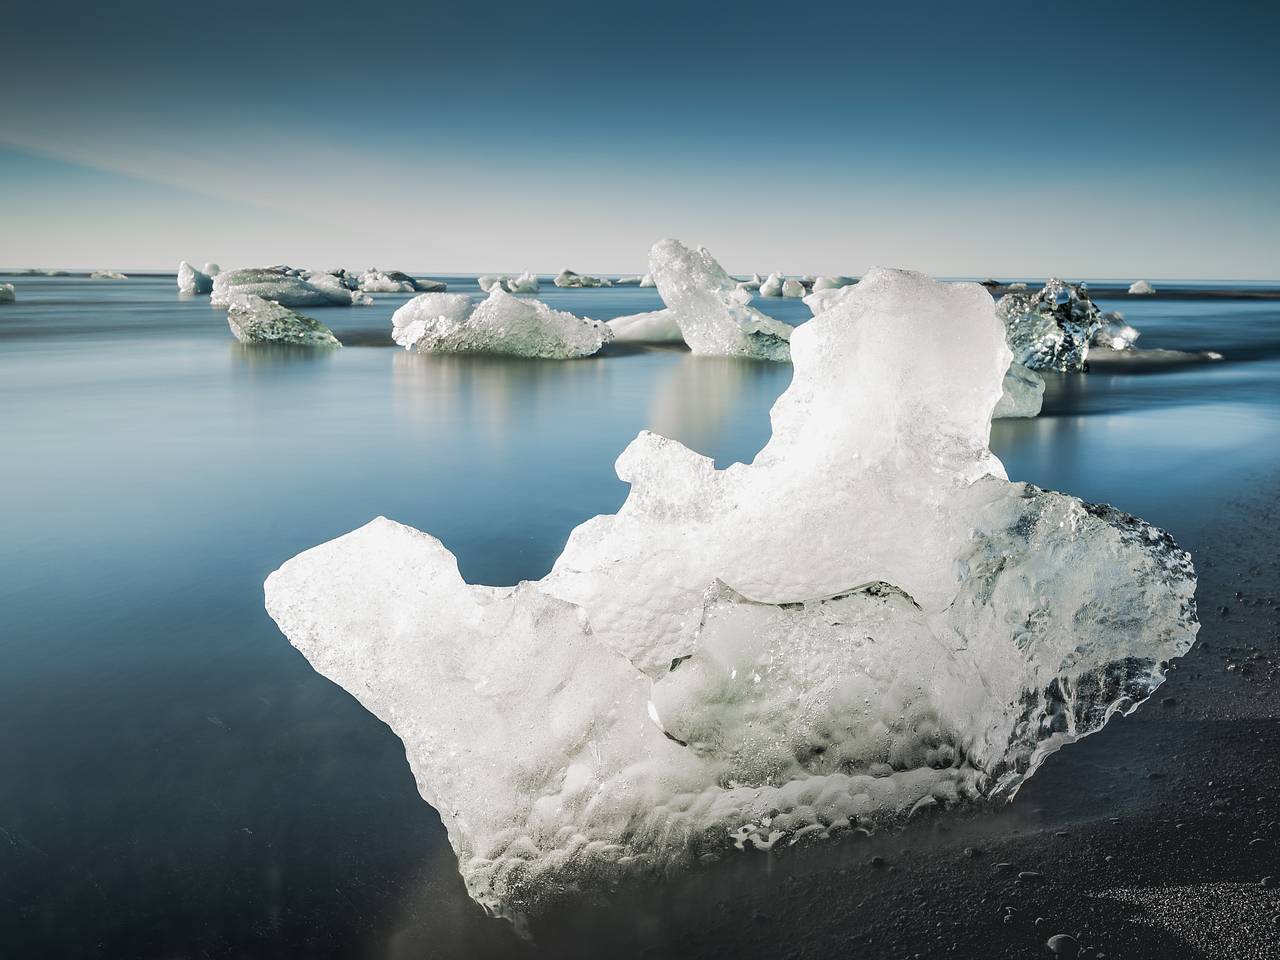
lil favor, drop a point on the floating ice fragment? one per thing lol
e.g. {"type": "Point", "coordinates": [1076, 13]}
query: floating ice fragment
{"type": "Point", "coordinates": [1141, 288]}
{"type": "Point", "coordinates": [1052, 329]}
{"type": "Point", "coordinates": [793, 289]}
{"type": "Point", "coordinates": [567, 278]}
{"type": "Point", "coordinates": [285, 285]}
{"type": "Point", "coordinates": [1114, 333]}
{"type": "Point", "coordinates": [212, 269]}
{"type": "Point", "coordinates": [647, 280]}
{"type": "Point", "coordinates": [191, 280]}
{"type": "Point", "coordinates": [525, 283]}
{"type": "Point", "coordinates": [107, 275]}
{"type": "Point", "coordinates": [866, 620]}
{"type": "Point", "coordinates": [7, 293]}
{"type": "Point", "coordinates": [379, 281]}
{"type": "Point", "coordinates": [711, 310]}
{"type": "Point", "coordinates": [830, 283]}
{"type": "Point", "coordinates": [254, 320]}
{"type": "Point", "coordinates": [1021, 395]}
{"type": "Point", "coordinates": [656, 326]}
{"type": "Point", "coordinates": [628, 281]}
{"type": "Point", "coordinates": [451, 323]}
{"type": "Point", "coordinates": [752, 284]}
{"type": "Point", "coordinates": [772, 286]}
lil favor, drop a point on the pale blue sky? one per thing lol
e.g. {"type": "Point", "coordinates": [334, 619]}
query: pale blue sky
{"type": "Point", "coordinates": [1003, 139]}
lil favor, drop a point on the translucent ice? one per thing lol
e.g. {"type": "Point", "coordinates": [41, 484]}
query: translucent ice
{"type": "Point", "coordinates": [1053, 328]}
{"type": "Point", "coordinates": [7, 294]}
{"type": "Point", "coordinates": [1021, 394]}
{"type": "Point", "coordinates": [709, 307]}
{"type": "Point", "coordinates": [1113, 333]}
{"type": "Point", "coordinates": [452, 323]}
{"type": "Point", "coordinates": [656, 326]}
{"type": "Point", "coordinates": [866, 620]}
{"type": "Point", "coordinates": [567, 278]}
{"type": "Point", "coordinates": [191, 280]}
{"type": "Point", "coordinates": [254, 320]}
{"type": "Point", "coordinates": [107, 275]}
{"type": "Point", "coordinates": [284, 285]}
{"type": "Point", "coordinates": [1141, 287]}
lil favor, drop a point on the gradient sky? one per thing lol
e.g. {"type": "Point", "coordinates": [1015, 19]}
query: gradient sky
{"type": "Point", "coordinates": [1002, 139]}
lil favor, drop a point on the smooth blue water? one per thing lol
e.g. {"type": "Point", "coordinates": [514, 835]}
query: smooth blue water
{"type": "Point", "coordinates": [177, 780]}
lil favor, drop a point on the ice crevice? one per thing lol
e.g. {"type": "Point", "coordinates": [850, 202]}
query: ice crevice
{"type": "Point", "coordinates": [867, 620]}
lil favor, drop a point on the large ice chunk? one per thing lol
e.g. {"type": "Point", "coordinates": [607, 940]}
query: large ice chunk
{"type": "Point", "coordinates": [793, 289]}
{"type": "Point", "coordinates": [656, 326]}
{"type": "Point", "coordinates": [191, 280]}
{"type": "Point", "coordinates": [1141, 288]}
{"type": "Point", "coordinates": [567, 278]}
{"type": "Point", "coordinates": [254, 320]}
{"type": "Point", "coordinates": [107, 275]}
{"type": "Point", "coordinates": [772, 285]}
{"type": "Point", "coordinates": [711, 310]}
{"type": "Point", "coordinates": [451, 323]}
{"type": "Point", "coordinates": [285, 285]}
{"type": "Point", "coordinates": [866, 620]}
{"type": "Point", "coordinates": [7, 293]}
{"type": "Point", "coordinates": [1053, 328]}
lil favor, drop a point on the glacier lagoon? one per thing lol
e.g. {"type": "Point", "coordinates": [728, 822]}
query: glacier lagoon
{"type": "Point", "coordinates": [177, 744]}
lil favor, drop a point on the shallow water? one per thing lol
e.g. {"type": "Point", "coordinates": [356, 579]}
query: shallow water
{"type": "Point", "coordinates": [177, 778]}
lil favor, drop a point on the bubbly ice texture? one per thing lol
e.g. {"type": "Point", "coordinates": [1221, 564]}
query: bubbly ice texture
{"type": "Point", "coordinates": [191, 280]}
{"type": "Point", "coordinates": [284, 285]}
{"type": "Point", "coordinates": [1053, 328]}
{"type": "Point", "coordinates": [254, 320]}
{"type": "Point", "coordinates": [1141, 288]}
{"type": "Point", "coordinates": [567, 278]}
{"type": "Point", "coordinates": [1021, 395]}
{"type": "Point", "coordinates": [867, 620]}
{"type": "Point", "coordinates": [107, 275]}
{"type": "Point", "coordinates": [7, 293]}
{"type": "Point", "coordinates": [710, 308]}
{"type": "Point", "coordinates": [656, 326]}
{"type": "Point", "coordinates": [452, 323]}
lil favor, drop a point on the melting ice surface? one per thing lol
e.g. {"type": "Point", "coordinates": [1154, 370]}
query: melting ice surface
{"type": "Point", "coordinates": [866, 620]}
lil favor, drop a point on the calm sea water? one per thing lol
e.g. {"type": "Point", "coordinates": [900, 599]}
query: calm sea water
{"type": "Point", "coordinates": [175, 780]}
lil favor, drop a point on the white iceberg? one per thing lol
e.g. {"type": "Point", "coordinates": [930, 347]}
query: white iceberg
{"type": "Point", "coordinates": [107, 275]}
{"type": "Point", "coordinates": [867, 620]}
{"type": "Point", "coordinates": [340, 285]}
{"type": "Point", "coordinates": [772, 286]}
{"type": "Point", "coordinates": [567, 278]}
{"type": "Point", "coordinates": [191, 280]}
{"type": "Point", "coordinates": [488, 282]}
{"type": "Point", "coordinates": [752, 284]}
{"type": "Point", "coordinates": [656, 326]}
{"type": "Point", "coordinates": [285, 285]}
{"type": "Point", "coordinates": [254, 320]}
{"type": "Point", "coordinates": [633, 281]}
{"type": "Point", "coordinates": [647, 280]}
{"type": "Point", "coordinates": [525, 283]}
{"type": "Point", "coordinates": [211, 269]}
{"type": "Point", "coordinates": [7, 293]}
{"type": "Point", "coordinates": [712, 311]}
{"type": "Point", "coordinates": [793, 289]}
{"type": "Point", "coordinates": [1141, 288]}
{"type": "Point", "coordinates": [831, 283]}
{"type": "Point", "coordinates": [1021, 394]}
{"type": "Point", "coordinates": [503, 324]}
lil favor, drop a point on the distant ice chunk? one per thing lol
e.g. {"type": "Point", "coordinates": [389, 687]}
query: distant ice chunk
{"type": "Point", "coordinates": [752, 283]}
{"type": "Point", "coordinates": [1021, 394]}
{"type": "Point", "coordinates": [211, 269]}
{"type": "Point", "coordinates": [503, 324]}
{"type": "Point", "coordinates": [567, 278]}
{"type": "Point", "coordinates": [1141, 288]}
{"type": "Point", "coordinates": [488, 282]}
{"type": "Point", "coordinates": [633, 281]}
{"type": "Point", "coordinates": [336, 286]}
{"type": "Point", "coordinates": [284, 285]}
{"type": "Point", "coordinates": [7, 293]}
{"type": "Point", "coordinates": [656, 326]}
{"type": "Point", "coordinates": [712, 312]}
{"type": "Point", "coordinates": [866, 620]}
{"type": "Point", "coordinates": [793, 289]}
{"type": "Point", "coordinates": [525, 283]}
{"type": "Point", "coordinates": [772, 286]}
{"type": "Point", "coordinates": [1114, 333]}
{"type": "Point", "coordinates": [191, 280]}
{"type": "Point", "coordinates": [107, 275]}
{"type": "Point", "coordinates": [1053, 328]}
{"type": "Point", "coordinates": [254, 320]}
{"type": "Point", "coordinates": [647, 280]}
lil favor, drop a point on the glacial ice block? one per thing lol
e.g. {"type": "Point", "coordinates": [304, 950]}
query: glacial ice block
{"type": "Point", "coordinates": [1053, 328]}
{"type": "Point", "coordinates": [710, 309]}
{"type": "Point", "coordinates": [7, 293]}
{"type": "Point", "coordinates": [107, 275]}
{"type": "Point", "coordinates": [1021, 395]}
{"type": "Point", "coordinates": [1141, 288]}
{"type": "Point", "coordinates": [284, 285]}
{"type": "Point", "coordinates": [793, 289]}
{"type": "Point", "coordinates": [656, 326]}
{"type": "Point", "coordinates": [772, 286]}
{"type": "Point", "coordinates": [255, 320]}
{"type": "Point", "coordinates": [191, 280]}
{"type": "Point", "coordinates": [866, 620]}
{"type": "Point", "coordinates": [451, 323]}
{"type": "Point", "coordinates": [387, 281]}
{"type": "Point", "coordinates": [567, 278]}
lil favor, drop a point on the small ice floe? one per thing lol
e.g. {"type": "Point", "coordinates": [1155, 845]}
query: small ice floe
{"type": "Point", "coordinates": [656, 326]}
{"type": "Point", "coordinates": [647, 280]}
{"type": "Point", "coordinates": [633, 281]}
{"type": "Point", "coordinates": [107, 275]}
{"type": "Point", "coordinates": [830, 283]}
{"type": "Point", "coordinates": [191, 280]}
{"type": "Point", "coordinates": [1053, 328]}
{"type": "Point", "coordinates": [712, 311]}
{"type": "Point", "coordinates": [1140, 288]}
{"type": "Point", "coordinates": [865, 621]}
{"type": "Point", "coordinates": [771, 286]}
{"type": "Point", "coordinates": [7, 293]}
{"type": "Point", "coordinates": [567, 278]}
{"type": "Point", "coordinates": [394, 281]}
{"type": "Point", "coordinates": [287, 286]}
{"type": "Point", "coordinates": [1021, 394]}
{"type": "Point", "coordinates": [524, 283]}
{"type": "Point", "coordinates": [254, 320]}
{"type": "Point", "coordinates": [793, 289]}
{"type": "Point", "coordinates": [340, 284]}
{"type": "Point", "coordinates": [1114, 333]}
{"type": "Point", "coordinates": [500, 324]}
